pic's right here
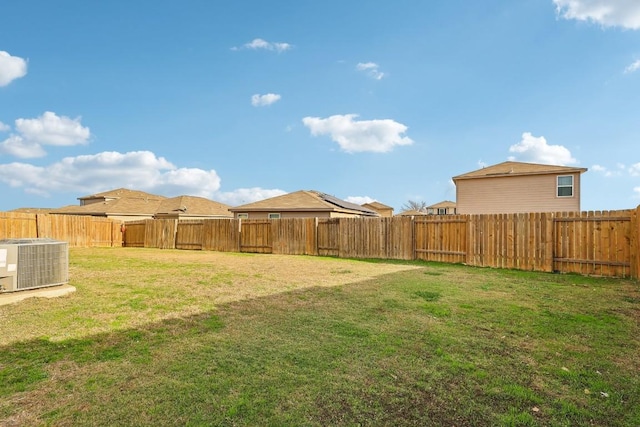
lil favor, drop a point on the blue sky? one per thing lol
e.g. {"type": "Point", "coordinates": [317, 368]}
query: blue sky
{"type": "Point", "coordinates": [379, 100]}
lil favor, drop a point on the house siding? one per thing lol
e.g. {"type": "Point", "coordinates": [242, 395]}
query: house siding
{"type": "Point", "coordinates": [515, 194]}
{"type": "Point", "coordinates": [301, 214]}
{"type": "Point", "coordinates": [283, 215]}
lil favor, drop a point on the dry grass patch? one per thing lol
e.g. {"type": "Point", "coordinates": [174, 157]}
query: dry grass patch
{"type": "Point", "coordinates": [120, 288]}
{"type": "Point", "coordinates": [200, 338]}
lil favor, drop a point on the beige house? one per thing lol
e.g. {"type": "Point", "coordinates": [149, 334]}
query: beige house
{"type": "Point", "coordinates": [384, 210]}
{"type": "Point", "coordinates": [131, 205]}
{"type": "Point", "coordinates": [302, 204]}
{"type": "Point", "coordinates": [445, 207]}
{"type": "Point", "coordinates": [515, 187]}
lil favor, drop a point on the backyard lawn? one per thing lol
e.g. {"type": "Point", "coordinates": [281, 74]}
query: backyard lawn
{"type": "Point", "coordinates": [166, 337]}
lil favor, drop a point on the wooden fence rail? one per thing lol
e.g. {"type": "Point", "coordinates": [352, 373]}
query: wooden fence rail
{"type": "Point", "coordinates": [599, 243]}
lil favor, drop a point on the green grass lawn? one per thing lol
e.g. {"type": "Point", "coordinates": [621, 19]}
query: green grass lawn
{"type": "Point", "coordinates": [162, 338]}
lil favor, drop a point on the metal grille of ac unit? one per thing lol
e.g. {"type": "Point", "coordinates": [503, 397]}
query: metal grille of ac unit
{"type": "Point", "coordinates": [40, 262]}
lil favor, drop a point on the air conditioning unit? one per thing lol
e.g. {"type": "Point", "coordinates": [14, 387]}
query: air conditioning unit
{"type": "Point", "coordinates": [33, 263]}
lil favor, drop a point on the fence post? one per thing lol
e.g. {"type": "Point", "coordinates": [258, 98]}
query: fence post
{"type": "Point", "coordinates": [548, 242]}
{"type": "Point", "coordinates": [634, 241]}
{"type": "Point", "coordinates": [468, 240]}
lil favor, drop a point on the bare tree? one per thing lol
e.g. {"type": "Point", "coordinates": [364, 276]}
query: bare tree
{"type": "Point", "coordinates": [413, 205]}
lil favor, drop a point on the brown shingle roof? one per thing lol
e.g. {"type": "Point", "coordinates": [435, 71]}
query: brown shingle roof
{"type": "Point", "coordinates": [443, 204]}
{"type": "Point", "coordinates": [518, 168]}
{"type": "Point", "coordinates": [120, 193]}
{"type": "Point", "coordinates": [376, 205]}
{"type": "Point", "coordinates": [193, 206]}
{"type": "Point", "coordinates": [304, 200]}
{"type": "Point", "coordinates": [129, 206]}
{"type": "Point", "coordinates": [32, 210]}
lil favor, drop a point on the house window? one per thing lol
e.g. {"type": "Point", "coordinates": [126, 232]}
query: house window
{"type": "Point", "coordinates": [430, 211]}
{"type": "Point", "coordinates": [243, 216]}
{"type": "Point", "coordinates": [274, 216]}
{"type": "Point", "coordinates": [442, 211]}
{"type": "Point", "coordinates": [565, 186]}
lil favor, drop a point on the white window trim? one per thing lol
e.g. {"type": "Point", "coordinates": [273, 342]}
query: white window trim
{"type": "Point", "coordinates": [572, 186]}
{"type": "Point", "coordinates": [242, 216]}
{"type": "Point", "coordinates": [273, 216]}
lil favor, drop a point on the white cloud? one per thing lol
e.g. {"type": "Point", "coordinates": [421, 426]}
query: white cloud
{"type": "Point", "coordinates": [98, 172]}
{"type": "Point", "coordinates": [48, 129]}
{"type": "Point", "coordinates": [354, 136]}
{"type": "Point", "coordinates": [608, 13]}
{"type": "Point", "coordinates": [243, 196]}
{"type": "Point", "coordinates": [263, 44]}
{"type": "Point", "coordinates": [371, 68]}
{"type": "Point", "coordinates": [263, 100]}
{"type": "Point", "coordinates": [11, 68]}
{"type": "Point", "coordinates": [19, 147]}
{"type": "Point", "coordinates": [633, 67]}
{"type": "Point", "coordinates": [140, 170]}
{"type": "Point", "coordinates": [536, 150]}
{"type": "Point", "coordinates": [606, 171]}
{"type": "Point", "coordinates": [359, 200]}
{"type": "Point", "coordinates": [4, 127]}
{"type": "Point", "coordinates": [634, 169]}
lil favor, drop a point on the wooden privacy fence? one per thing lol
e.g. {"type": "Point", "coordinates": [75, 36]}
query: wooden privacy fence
{"type": "Point", "coordinates": [79, 231]}
{"type": "Point", "coordinates": [594, 243]}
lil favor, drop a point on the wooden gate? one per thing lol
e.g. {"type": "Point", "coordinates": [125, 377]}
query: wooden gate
{"type": "Point", "coordinates": [255, 236]}
{"type": "Point", "coordinates": [593, 243]}
{"type": "Point", "coordinates": [441, 238]}
{"type": "Point", "coordinates": [328, 236]}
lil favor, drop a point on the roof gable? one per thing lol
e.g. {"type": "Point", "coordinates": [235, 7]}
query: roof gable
{"type": "Point", "coordinates": [510, 168]}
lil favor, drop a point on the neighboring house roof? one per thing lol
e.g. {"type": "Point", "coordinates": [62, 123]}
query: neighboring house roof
{"type": "Point", "coordinates": [376, 205]}
{"type": "Point", "coordinates": [305, 201]}
{"type": "Point", "coordinates": [121, 193]}
{"type": "Point", "coordinates": [125, 206]}
{"type": "Point", "coordinates": [443, 204]}
{"type": "Point", "coordinates": [518, 168]}
{"type": "Point", "coordinates": [411, 212]}
{"type": "Point", "coordinates": [192, 206]}
{"type": "Point", "coordinates": [32, 210]}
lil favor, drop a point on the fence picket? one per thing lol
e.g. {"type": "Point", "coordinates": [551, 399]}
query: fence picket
{"type": "Point", "coordinates": [602, 243]}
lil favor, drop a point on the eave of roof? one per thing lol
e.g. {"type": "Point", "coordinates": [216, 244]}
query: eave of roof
{"type": "Point", "coordinates": [511, 168]}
